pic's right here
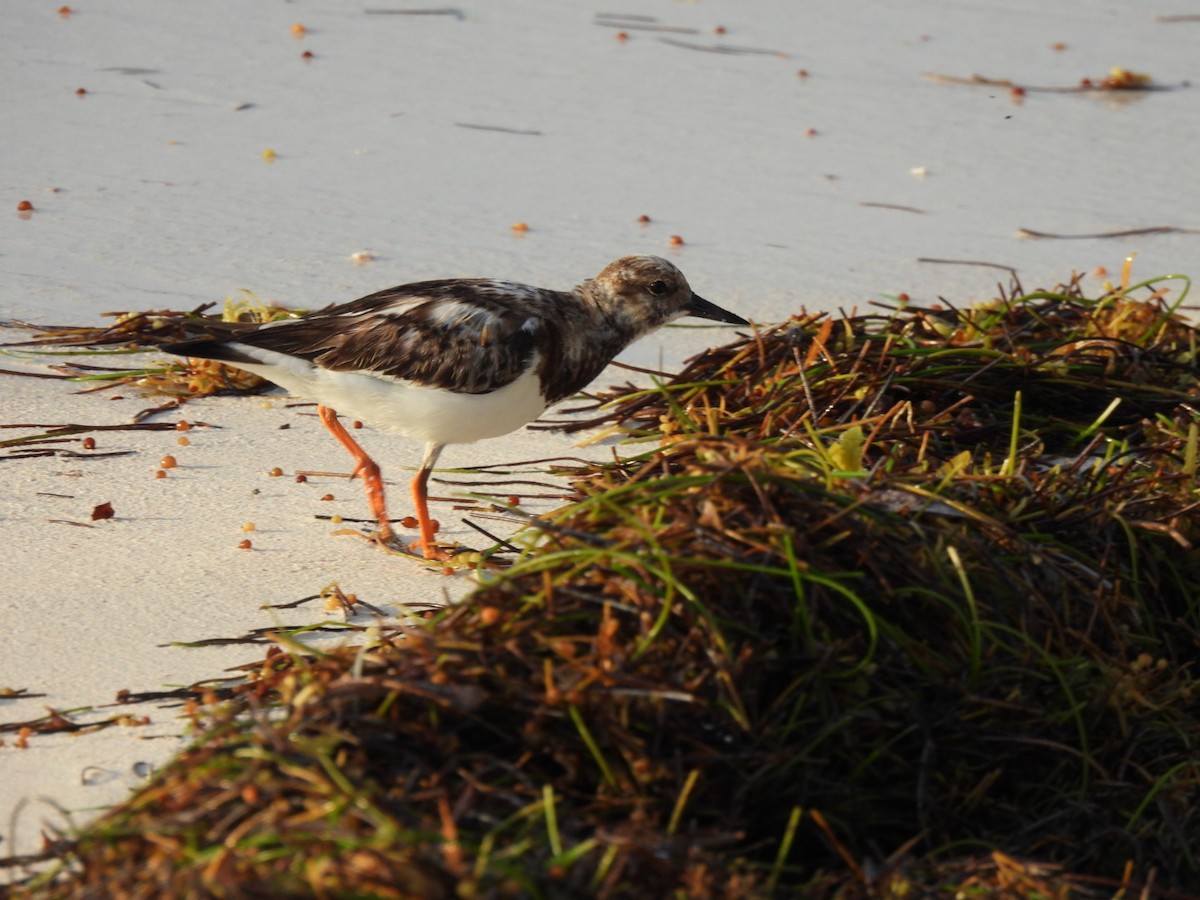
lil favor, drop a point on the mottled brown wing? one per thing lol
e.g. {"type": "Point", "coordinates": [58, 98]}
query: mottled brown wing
{"type": "Point", "coordinates": [457, 334]}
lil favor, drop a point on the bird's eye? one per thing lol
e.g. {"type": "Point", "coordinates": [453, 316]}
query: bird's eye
{"type": "Point", "coordinates": [658, 288]}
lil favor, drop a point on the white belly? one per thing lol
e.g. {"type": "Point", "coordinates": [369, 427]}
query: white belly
{"type": "Point", "coordinates": [427, 414]}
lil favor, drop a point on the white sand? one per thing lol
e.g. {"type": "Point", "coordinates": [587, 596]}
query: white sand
{"type": "Point", "coordinates": [151, 191]}
{"type": "Point", "coordinates": [91, 607]}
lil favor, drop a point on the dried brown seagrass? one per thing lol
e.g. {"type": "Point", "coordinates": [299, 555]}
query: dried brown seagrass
{"type": "Point", "coordinates": [892, 605]}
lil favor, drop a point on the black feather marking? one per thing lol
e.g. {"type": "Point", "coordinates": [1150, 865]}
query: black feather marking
{"type": "Point", "coordinates": [208, 348]}
{"type": "Point", "coordinates": [476, 335]}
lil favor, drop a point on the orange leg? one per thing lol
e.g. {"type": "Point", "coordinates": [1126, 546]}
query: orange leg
{"type": "Point", "coordinates": [364, 466]}
{"type": "Point", "coordinates": [420, 495]}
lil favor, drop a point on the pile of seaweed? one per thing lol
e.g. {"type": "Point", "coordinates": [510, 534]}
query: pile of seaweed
{"type": "Point", "coordinates": [893, 605]}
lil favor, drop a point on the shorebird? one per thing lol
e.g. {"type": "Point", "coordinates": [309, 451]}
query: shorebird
{"type": "Point", "coordinates": [457, 360]}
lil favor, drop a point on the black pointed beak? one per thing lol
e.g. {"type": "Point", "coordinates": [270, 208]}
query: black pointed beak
{"type": "Point", "coordinates": [701, 308]}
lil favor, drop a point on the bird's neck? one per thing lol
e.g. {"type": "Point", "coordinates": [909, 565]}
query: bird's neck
{"type": "Point", "coordinates": [567, 366]}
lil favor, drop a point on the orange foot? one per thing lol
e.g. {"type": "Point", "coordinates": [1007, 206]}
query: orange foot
{"type": "Point", "coordinates": [429, 551]}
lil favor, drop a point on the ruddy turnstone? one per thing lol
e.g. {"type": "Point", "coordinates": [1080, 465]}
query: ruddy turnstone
{"type": "Point", "coordinates": [454, 361]}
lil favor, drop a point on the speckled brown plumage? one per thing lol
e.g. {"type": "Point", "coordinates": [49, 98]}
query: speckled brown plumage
{"type": "Point", "coordinates": [411, 357]}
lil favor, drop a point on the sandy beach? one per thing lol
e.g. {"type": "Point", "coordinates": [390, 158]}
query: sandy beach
{"type": "Point", "coordinates": [172, 158]}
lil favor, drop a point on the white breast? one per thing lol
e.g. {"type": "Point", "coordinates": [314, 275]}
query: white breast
{"type": "Point", "coordinates": [425, 413]}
